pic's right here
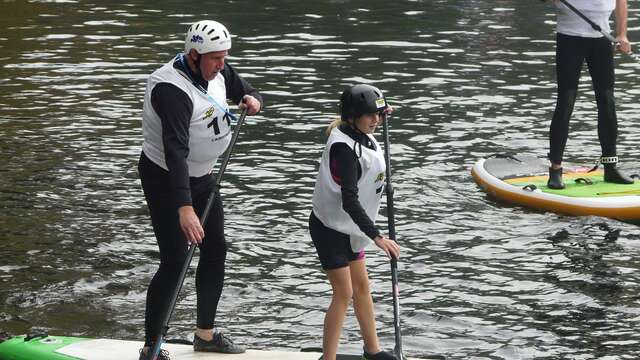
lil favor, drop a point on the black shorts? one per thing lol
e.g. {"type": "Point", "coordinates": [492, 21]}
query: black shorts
{"type": "Point", "coordinates": [333, 247]}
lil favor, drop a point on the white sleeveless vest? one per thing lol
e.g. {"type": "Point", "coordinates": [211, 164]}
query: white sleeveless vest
{"type": "Point", "coordinates": [327, 195]}
{"type": "Point", "coordinates": [598, 11]}
{"type": "Point", "coordinates": [209, 131]}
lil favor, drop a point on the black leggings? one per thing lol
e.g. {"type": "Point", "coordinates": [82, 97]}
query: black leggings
{"type": "Point", "coordinates": [571, 51]}
{"type": "Point", "coordinates": [173, 248]}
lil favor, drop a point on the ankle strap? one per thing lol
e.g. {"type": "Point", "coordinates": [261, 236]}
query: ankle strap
{"type": "Point", "coordinates": [604, 160]}
{"type": "Point", "coordinates": [608, 159]}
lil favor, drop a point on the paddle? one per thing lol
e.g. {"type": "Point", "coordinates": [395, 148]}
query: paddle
{"type": "Point", "coordinates": [596, 27]}
{"type": "Point", "coordinates": [392, 236]}
{"type": "Point", "coordinates": [192, 248]}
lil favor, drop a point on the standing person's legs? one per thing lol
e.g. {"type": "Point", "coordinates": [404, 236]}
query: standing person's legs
{"type": "Point", "coordinates": [569, 59]}
{"type": "Point", "coordinates": [334, 253]}
{"type": "Point", "coordinates": [601, 68]}
{"type": "Point", "coordinates": [210, 272]}
{"type": "Point", "coordinates": [600, 64]}
{"type": "Point", "coordinates": [363, 305]}
{"type": "Point", "coordinates": [173, 251]}
{"type": "Point", "coordinates": [340, 280]}
{"type": "Point", "coordinates": [171, 243]}
{"type": "Point", "coordinates": [211, 266]}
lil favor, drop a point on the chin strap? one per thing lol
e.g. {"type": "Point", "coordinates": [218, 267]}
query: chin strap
{"type": "Point", "coordinates": [604, 160]}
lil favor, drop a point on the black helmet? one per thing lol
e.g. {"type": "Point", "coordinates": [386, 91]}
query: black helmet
{"type": "Point", "coordinates": [361, 99]}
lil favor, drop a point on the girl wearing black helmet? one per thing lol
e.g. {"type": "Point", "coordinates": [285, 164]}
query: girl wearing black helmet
{"type": "Point", "coordinates": [346, 200]}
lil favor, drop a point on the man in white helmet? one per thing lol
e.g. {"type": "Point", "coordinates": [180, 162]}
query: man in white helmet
{"type": "Point", "coordinates": [186, 127]}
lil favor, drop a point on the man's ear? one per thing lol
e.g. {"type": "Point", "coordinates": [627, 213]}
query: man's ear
{"type": "Point", "coordinates": [193, 55]}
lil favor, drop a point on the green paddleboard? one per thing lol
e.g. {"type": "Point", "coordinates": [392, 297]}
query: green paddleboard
{"type": "Point", "coordinates": [38, 348]}
{"type": "Point", "coordinates": [522, 180]}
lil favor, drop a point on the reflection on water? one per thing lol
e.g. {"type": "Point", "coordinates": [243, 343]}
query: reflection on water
{"type": "Point", "coordinates": [469, 78]}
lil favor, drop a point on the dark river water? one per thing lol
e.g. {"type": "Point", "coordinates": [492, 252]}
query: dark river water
{"type": "Point", "coordinates": [468, 78]}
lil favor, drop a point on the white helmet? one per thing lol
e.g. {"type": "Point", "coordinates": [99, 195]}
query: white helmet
{"type": "Point", "coordinates": [207, 36]}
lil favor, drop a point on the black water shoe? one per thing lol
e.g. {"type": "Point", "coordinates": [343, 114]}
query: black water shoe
{"type": "Point", "coordinates": [164, 355]}
{"type": "Point", "coordinates": [555, 179]}
{"type": "Point", "coordinates": [613, 175]}
{"type": "Point", "coordinates": [382, 355]}
{"type": "Point", "coordinates": [220, 344]}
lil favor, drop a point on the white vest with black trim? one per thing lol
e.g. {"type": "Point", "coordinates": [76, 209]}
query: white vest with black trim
{"type": "Point", "coordinates": [209, 130]}
{"type": "Point", "coordinates": [327, 195]}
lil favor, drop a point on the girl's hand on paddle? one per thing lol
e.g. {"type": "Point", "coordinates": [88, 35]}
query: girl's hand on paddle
{"type": "Point", "coordinates": [190, 225]}
{"type": "Point", "coordinates": [250, 103]}
{"type": "Point", "coordinates": [389, 247]}
{"type": "Point", "coordinates": [623, 44]}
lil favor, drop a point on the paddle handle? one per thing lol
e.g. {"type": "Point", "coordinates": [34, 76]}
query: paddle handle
{"type": "Point", "coordinates": [192, 248]}
{"type": "Point", "coordinates": [392, 235]}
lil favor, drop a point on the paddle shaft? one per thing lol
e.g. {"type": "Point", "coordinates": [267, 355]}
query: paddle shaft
{"type": "Point", "coordinates": [192, 248]}
{"type": "Point", "coordinates": [596, 27]}
{"type": "Point", "coordinates": [392, 235]}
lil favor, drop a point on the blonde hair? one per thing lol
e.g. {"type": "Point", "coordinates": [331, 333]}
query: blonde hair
{"type": "Point", "coordinates": [334, 124]}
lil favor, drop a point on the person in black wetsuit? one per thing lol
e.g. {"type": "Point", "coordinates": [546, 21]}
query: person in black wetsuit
{"type": "Point", "coordinates": [577, 42]}
{"type": "Point", "coordinates": [346, 200]}
{"type": "Point", "coordinates": [186, 127]}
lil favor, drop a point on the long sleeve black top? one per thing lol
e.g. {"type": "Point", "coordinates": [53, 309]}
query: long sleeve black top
{"type": "Point", "coordinates": [346, 170]}
{"type": "Point", "coordinates": [175, 108]}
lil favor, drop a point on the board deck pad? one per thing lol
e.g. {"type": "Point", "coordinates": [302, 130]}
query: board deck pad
{"type": "Point", "coordinates": [515, 166]}
{"type": "Point", "coordinates": [73, 348]}
{"type": "Point", "coordinates": [529, 170]}
{"type": "Point", "coordinates": [575, 187]}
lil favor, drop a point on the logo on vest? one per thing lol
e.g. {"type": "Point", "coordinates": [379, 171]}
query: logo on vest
{"type": "Point", "coordinates": [380, 178]}
{"type": "Point", "coordinates": [197, 39]}
{"type": "Point", "coordinates": [209, 113]}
